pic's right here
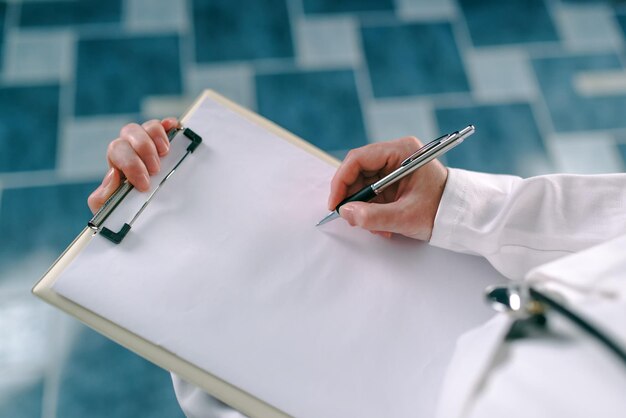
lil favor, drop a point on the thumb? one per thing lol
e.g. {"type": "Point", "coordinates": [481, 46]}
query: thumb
{"type": "Point", "coordinates": [371, 216]}
{"type": "Point", "coordinates": [109, 184]}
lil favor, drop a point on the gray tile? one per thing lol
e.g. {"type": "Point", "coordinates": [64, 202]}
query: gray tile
{"type": "Point", "coordinates": [426, 9]}
{"type": "Point", "coordinates": [37, 56]}
{"type": "Point", "coordinates": [235, 81]}
{"type": "Point", "coordinates": [328, 42]}
{"type": "Point", "coordinates": [500, 75]}
{"type": "Point", "coordinates": [590, 27]}
{"type": "Point", "coordinates": [159, 107]}
{"type": "Point", "coordinates": [155, 15]}
{"type": "Point", "coordinates": [23, 326]}
{"type": "Point", "coordinates": [585, 153]}
{"type": "Point", "coordinates": [398, 118]}
{"type": "Point", "coordinates": [84, 144]}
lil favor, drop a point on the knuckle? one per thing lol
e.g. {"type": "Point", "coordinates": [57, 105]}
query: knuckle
{"type": "Point", "coordinates": [130, 167]}
{"type": "Point", "coordinates": [151, 122]}
{"type": "Point", "coordinates": [141, 144]}
{"type": "Point", "coordinates": [127, 130]}
{"type": "Point", "coordinates": [417, 141]}
{"type": "Point", "coordinates": [362, 218]}
{"type": "Point", "coordinates": [412, 141]}
{"type": "Point", "coordinates": [349, 155]}
{"type": "Point", "coordinates": [93, 201]}
{"type": "Point", "coordinates": [113, 147]}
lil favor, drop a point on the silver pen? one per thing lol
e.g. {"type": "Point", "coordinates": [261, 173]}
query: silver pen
{"type": "Point", "coordinates": [419, 158]}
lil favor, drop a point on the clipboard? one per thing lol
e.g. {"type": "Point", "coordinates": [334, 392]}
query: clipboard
{"type": "Point", "coordinates": [234, 394]}
{"type": "Point", "coordinates": [219, 388]}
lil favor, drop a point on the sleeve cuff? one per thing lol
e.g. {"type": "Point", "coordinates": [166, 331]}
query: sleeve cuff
{"type": "Point", "coordinates": [451, 208]}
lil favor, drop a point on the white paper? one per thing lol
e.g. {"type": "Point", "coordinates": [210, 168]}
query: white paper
{"type": "Point", "coordinates": [226, 270]}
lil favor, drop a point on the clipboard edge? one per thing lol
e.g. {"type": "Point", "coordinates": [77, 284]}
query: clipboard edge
{"type": "Point", "coordinates": [222, 390]}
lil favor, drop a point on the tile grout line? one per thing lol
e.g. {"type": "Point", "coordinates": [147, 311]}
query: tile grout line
{"type": "Point", "coordinates": [67, 91]}
{"type": "Point", "coordinates": [363, 82]}
{"type": "Point", "coordinates": [43, 178]}
{"type": "Point", "coordinates": [186, 49]}
{"type": "Point", "coordinates": [540, 108]}
{"type": "Point", "coordinates": [11, 22]}
{"type": "Point", "coordinates": [52, 374]}
{"type": "Point", "coordinates": [295, 13]}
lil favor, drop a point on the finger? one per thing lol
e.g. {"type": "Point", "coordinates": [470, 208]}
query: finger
{"type": "Point", "coordinates": [110, 183]}
{"type": "Point", "coordinates": [383, 234]}
{"type": "Point", "coordinates": [143, 145]}
{"type": "Point", "coordinates": [170, 123]}
{"type": "Point", "coordinates": [369, 161]}
{"type": "Point", "coordinates": [369, 158]}
{"type": "Point", "coordinates": [157, 132]}
{"type": "Point", "coordinates": [382, 217]}
{"type": "Point", "coordinates": [122, 155]}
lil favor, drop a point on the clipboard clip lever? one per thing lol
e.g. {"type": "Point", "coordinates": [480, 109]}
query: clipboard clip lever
{"type": "Point", "coordinates": [116, 198]}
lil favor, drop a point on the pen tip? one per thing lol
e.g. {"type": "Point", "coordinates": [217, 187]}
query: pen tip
{"type": "Point", "coordinates": [332, 215]}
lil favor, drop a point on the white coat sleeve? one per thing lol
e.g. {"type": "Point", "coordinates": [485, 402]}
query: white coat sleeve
{"type": "Point", "coordinates": [518, 224]}
{"type": "Point", "coordinates": [196, 403]}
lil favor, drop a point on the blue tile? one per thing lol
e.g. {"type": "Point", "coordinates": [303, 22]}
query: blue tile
{"type": "Point", "coordinates": [26, 403]}
{"type": "Point", "coordinates": [321, 107]}
{"type": "Point", "coordinates": [413, 59]}
{"type": "Point", "coordinates": [41, 218]}
{"type": "Point", "coordinates": [621, 19]}
{"type": "Point", "coordinates": [569, 110]}
{"type": "Point", "coordinates": [64, 13]}
{"type": "Point", "coordinates": [28, 121]}
{"type": "Point", "coordinates": [227, 30]}
{"type": "Point", "coordinates": [113, 75]}
{"type": "Point", "coordinates": [497, 22]}
{"type": "Point", "coordinates": [506, 141]}
{"type": "Point", "coordinates": [103, 379]}
{"type": "Point", "coordinates": [346, 6]}
{"type": "Point", "coordinates": [622, 150]}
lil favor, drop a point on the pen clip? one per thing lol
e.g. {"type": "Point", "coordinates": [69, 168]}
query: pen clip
{"type": "Point", "coordinates": [425, 148]}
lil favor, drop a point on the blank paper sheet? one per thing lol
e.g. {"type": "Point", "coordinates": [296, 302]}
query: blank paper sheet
{"type": "Point", "coordinates": [226, 269]}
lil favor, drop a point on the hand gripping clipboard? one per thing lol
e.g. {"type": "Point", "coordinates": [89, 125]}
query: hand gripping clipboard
{"type": "Point", "coordinates": [217, 387]}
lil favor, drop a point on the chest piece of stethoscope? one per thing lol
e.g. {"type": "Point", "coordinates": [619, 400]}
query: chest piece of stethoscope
{"type": "Point", "coordinates": [528, 306]}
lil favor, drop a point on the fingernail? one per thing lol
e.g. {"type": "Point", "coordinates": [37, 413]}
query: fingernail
{"type": "Point", "coordinates": [347, 213]}
{"type": "Point", "coordinates": [146, 181]}
{"type": "Point", "coordinates": [156, 162]}
{"type": "Point", "coordinates": [107, 179]}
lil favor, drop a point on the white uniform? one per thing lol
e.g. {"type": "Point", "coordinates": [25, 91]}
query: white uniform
{"type": "Point", "coordinates": [563, 232]}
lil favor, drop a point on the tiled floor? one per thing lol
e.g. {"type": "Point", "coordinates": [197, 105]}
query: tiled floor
{"type": "Point", "coordinates": [543, 81]}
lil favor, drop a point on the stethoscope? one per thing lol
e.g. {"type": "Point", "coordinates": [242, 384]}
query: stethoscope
{"type": "Point", "coordinates": [528, 305]}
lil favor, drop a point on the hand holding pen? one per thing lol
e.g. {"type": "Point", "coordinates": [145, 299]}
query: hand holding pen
{"type": "Point", "coordinates": [406, 204]}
